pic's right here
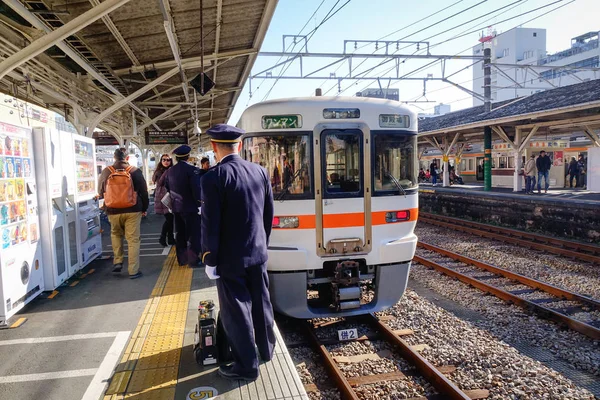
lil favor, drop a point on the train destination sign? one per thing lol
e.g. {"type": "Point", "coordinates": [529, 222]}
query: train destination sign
{"type": "Point", "coordinates": [281, 121]}
{"type": "Point", "coordinates": [166, 137]}
{"type": "Point", "coordinates": [104, 139]}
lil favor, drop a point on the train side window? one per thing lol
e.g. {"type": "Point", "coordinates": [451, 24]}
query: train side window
{"type": "Point", "coordinates": [394, 159]}
{"type": "Point", "coordinates": [342, 163]}
{"type": "Point", "coordinates": [287, 159]}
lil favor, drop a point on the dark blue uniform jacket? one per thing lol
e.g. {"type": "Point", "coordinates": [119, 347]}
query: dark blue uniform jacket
{"type": "Point", "coordinates": [183, 183]}
{"type": "Point", "coordinates": [237, 215]}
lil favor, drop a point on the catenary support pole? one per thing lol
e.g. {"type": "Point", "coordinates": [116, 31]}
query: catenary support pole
{"type": "Point", "coordinates": [487, 132]}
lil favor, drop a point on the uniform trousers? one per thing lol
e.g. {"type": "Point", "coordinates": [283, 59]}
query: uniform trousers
{"type": "Point", "coordinates": [247, 316]}
{"type": "Point", "coordinates": [187, 238]}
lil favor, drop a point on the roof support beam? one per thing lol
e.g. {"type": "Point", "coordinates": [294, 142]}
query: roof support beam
{"type": "Point", "coordinates": [217, 43]}
{"type": "Point", "coordinates": [592, 135]}
{"type": "Point", "coordinates": [158, 118]}
{"type": "Point", "coordinates": [165, 9]}
{"type": "Point", "coordinates": [45, 42]}
{"type": "Point", "coordinates": [500, 131]}
{"type": "Point", "coordinates": [34, 21]}
{"type": "Point", "coordinates": [528, 138]}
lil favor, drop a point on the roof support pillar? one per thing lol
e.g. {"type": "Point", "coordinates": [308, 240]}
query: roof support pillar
{"type": "Point", "coordinates": [50, 39]}
{"type": "Point", "coordinates": [517, 180]}
{"type": "Point", "coordinates": [528, 138]}
{"type": "Point", "coordinates": [445, 158]}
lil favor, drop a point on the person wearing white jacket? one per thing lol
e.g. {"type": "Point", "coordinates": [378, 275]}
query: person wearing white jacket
{"type": "Point", "coordinates": [530, 172]}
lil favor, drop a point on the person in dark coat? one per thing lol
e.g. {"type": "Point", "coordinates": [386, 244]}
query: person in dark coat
{"type": "Point", "coordinates": [573, 172]}
{"type": "Point", "coordinates": [183, 184]}
{"type": "Point", "coordinates": [543, 164]}
{"type": "Point", "coordinates": [237, 216]}
{"type": "Point", "coordinates": [159, 178]}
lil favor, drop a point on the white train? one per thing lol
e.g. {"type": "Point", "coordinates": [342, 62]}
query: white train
{"type": "Point", "coordinates": [344, 173]}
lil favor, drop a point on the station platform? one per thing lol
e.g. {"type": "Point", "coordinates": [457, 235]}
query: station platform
{"type": "Point", "coordinates": [567, 213]}
{"type": "Point", "coordinates": [104, 336]}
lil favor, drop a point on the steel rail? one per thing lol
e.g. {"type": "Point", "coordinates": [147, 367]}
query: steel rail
{"type": "Point", "coordinates": [553, 290]}
{"type": "Point", "coordinates": [560, 247]}
{"type": "Point", "coordinates": [443, 385]}
{"type": "Point", "coordinates": [334, 372]}
{"type": "Point", "coordinates": [545, 312]}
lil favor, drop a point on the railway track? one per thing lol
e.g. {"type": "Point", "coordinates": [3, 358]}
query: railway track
{"type": "Point", "coordinates": [567, 248]}
{"type": "Point", "coordinates": [380, 331]}
{"type": "Point", "coordinates": [539, 297]}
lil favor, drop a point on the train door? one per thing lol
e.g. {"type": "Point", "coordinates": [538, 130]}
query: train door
{"type": "Point", "coordinates": [480, 169]}
{"type": "Point", "coordinates": [343, 195]}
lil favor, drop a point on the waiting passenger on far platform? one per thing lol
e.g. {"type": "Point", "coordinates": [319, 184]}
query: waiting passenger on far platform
{"type": "Point", "coordinates": [573, 172]}
{"type": "Point", "coordinates": [125, 222]}
{"type": "Point", "coordinates": [543, 164]}
{"type": "Point", "coordinates": [434, 172]}
{"type": "Point", "coordinates": [237, 217]}
{"type": "Point", "coordinates": [582, 165]}
{"type": "Point", "coordinates": [159, 178]}
{"type": "Point", "coordinates": [530, 172]}
{"type": "Point", "coordinates": [183, 183]}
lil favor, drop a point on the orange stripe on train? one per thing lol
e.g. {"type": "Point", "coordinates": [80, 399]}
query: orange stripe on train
{"type": "Point", "coordinates": [348, 220]}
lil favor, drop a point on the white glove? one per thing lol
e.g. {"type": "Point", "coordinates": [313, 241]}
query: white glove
{"type": "Point", "coordinates": [211, 272]}
{"type": "Point", "coordinates": [199, 210]}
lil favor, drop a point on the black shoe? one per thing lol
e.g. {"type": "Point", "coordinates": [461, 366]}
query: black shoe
{"type": "Point", "coordinates": [117, 268]}
{"type": "Point", "coordinates": [163, 242]}
{"type": "Point", "coordinates": [135, 276]}
{"type": "Point", "coordinates": [229, 372]}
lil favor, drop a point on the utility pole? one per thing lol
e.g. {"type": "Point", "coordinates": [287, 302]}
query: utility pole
{"type": "Point", "coordinates": [487, 104]}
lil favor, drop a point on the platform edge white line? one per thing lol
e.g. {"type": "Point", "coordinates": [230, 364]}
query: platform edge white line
{"type": "Point", "coordinates": [47, 376]}
{"type": "Point", "coordinates": [50, 339]}
{"type": "Point", "coordinates": [104, 372]}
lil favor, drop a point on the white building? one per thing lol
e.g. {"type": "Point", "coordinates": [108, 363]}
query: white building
{"type": "Point", "coordinates": [438, 110]}
{"type": "Point", "coordinates": [390, 94]}
{"type": "Point", "coordinates": [527, 47]}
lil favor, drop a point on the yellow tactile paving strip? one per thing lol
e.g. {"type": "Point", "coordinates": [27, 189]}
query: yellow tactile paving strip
{"type": "Point", "coordinates": [150, 365]}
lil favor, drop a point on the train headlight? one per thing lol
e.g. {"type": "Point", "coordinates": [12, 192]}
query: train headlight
{"type": "Point", "coordinates": [285, 222]}
{"type": "Point", "coordinates": [397, 216]}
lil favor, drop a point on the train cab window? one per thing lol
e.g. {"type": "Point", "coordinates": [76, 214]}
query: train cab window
{"type": "Point", "coordinates": [287, 160]}
{"type": "Point", "coordinates": [342, 163]}
{"type": "Point", "coordinates": [394, 162]}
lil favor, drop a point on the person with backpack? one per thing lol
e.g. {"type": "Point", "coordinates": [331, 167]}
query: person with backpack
{"type": "Point", "coordinates": [125, 194]}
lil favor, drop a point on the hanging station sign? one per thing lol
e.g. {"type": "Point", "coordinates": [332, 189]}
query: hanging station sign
{"type": "Point", "coordinates": [166, 137]}
{"type": "Point", "coordinates": [104, 139]}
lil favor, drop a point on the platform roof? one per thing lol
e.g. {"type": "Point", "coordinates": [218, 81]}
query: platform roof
{"type": "Point", "coordinates": [556, 110]}
{"type": "Point", "coordinates": [140, 42]}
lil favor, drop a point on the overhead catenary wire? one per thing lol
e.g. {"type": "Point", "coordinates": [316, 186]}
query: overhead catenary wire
{"type": "Point", "coordinates": [402, 29]}
{"type": "Point", "coordinates": [327, 17]}
{"type": "Point", "coordinates": [514, 4]}
{"type": "Point", "coordinates": [477, 30]}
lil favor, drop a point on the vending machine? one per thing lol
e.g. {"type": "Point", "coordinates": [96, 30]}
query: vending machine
{"type": "Point", "coordinates": [88, 212]}
{"type": "Point", "coordinates": [21, 267]}
{"type": "Point", "coordinates": [53, 209]}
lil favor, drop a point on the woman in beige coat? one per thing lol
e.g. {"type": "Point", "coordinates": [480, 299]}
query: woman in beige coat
{"type": "Point", "coordinates": [530, 172]}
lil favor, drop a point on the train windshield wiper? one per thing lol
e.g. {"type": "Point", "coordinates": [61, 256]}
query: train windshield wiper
{"type": "Point", "coordinates": [396, 182]}
{"type": "Point", "coordinates": [284, 191]}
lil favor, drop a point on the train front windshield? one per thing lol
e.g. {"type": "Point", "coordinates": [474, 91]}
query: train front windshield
{"type": "Point", "coordinates": [394, 158]}
{"type": "Point", "coordinates": [287, 160]}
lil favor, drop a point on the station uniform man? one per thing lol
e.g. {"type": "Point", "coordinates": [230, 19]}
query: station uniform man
{"type": "Point", "coordinates": [183, 184]}
{"type": "Point", "coordinates": [237, 216]}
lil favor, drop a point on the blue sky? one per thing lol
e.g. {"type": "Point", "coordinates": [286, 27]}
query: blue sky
{"type": "Point", "coordinates": [373, 19]}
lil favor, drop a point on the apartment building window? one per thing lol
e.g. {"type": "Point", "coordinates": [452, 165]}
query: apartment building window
{"type": "Point", "coordinates": [505, 52]}
{"type": "Point", "coordinates": [528, 54]}
{"type": "Point", "coordinates": [534, 34]}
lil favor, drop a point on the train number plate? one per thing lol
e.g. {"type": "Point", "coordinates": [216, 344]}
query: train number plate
{"type": "Point", "coordinates": [347, 334]}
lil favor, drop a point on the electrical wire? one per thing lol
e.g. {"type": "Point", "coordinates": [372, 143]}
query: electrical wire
{"type": "Point", "coordinates": [329, 15]}
{"type": "Point", "coordinates": [514, 4]}
{"type": "Point", "coordinates": [476, 30]}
